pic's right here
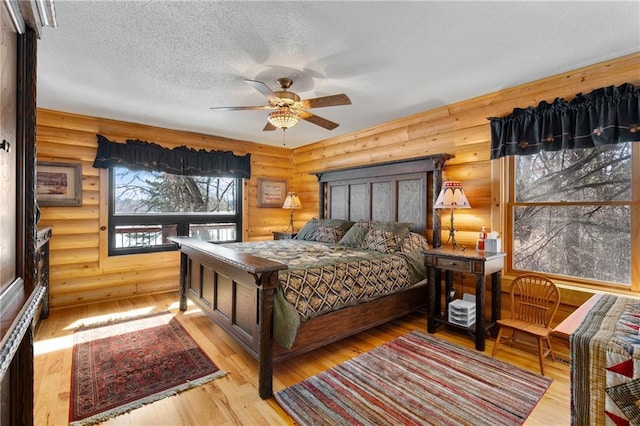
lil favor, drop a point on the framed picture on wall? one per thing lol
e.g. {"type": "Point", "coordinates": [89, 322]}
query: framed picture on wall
{"type": "Point", "coordinates": [271, 192]}
{"type": "Point", "coordinates": [59, 184]}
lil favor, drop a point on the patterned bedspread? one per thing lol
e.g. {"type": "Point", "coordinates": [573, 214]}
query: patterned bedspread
{"type": "Point", "coordinates": [605, 359]}
{"type": "Point", "coordinates": [325, 277]}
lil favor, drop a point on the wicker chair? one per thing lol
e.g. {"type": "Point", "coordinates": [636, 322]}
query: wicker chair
{"type": "Point", "coordinates": [534, 302]}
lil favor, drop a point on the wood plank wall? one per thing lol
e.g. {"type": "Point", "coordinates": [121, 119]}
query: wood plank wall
{"type": "Point", "coordinates": [461, 129]}
{"type": "Point", "coordinates": [79, 274]}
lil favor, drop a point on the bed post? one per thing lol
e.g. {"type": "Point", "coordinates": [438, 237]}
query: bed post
{"type": "Point", "coordinates": [438, 163]}
{"type": "Point", "coordinates": [184, 262]}
{"type": "Point", "coordinates": [321, 196]}
{"type": "Point", "coordinates": [268, 283]}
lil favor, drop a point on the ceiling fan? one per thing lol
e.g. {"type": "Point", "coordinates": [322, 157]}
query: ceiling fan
{"type": "Point", "coordinates": [287, 107]}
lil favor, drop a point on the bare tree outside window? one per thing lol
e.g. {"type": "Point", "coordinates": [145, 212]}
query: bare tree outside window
{"type": "Point", "coordinates": [142, 192]}
{"type": "Point", "coordinates": [572, 213]}
{"type": "Point", "coordinates": [148, 207]}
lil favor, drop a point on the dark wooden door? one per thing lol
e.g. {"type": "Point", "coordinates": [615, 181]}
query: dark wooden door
{"type": "Point", "coordinates": [8, 117]}
{"type": "Point", "coordinates": [8, 184]}
{"type": "Point", "coordinates": [19, 294]}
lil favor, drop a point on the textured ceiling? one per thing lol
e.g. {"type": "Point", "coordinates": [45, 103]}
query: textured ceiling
{"type": "Point", "coordinates": [166, 63]}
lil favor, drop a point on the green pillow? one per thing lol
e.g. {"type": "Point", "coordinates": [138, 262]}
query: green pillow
{"type": "Point", "coordinates": [310, 229]}
{"type": "Point", "coordinates": [401, 229]}
{"type": "Point", "coordinates": [340, 223]}
{"type": "Point", "coordinates": [354, 237]}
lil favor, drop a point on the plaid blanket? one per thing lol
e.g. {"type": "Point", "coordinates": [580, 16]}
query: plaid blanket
{"type": "Point", "coordinates": [605, 360]}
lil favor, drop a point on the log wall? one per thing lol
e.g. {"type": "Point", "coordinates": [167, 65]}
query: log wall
{"type": "Point", "coordinates": [80, 271]}
{"type": "Point", "coordinates": [461, 129]}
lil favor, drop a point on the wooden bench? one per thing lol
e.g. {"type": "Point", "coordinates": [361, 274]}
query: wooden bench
{"type": "Point", "coordinates": [571, 323]}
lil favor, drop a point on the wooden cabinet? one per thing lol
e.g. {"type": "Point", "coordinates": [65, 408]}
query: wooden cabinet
{"type": "Point", "coordinates": [283, 235]}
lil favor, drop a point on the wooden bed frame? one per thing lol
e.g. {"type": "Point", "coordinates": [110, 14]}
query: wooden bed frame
{"type": "Point", "coordinates": [236, 290]}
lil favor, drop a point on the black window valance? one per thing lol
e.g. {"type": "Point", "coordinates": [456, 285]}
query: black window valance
{"type": "Point", "coordinates": [605, 116]}
{"type": "Point", "coordinates": [142, 155]}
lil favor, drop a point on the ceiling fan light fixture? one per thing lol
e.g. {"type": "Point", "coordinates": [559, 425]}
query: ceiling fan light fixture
{"type": "Point", "coordinates": [283, 118]}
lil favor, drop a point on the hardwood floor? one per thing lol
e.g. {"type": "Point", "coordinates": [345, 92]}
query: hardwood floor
{"type": "Point", "coordinates": [234, 399]}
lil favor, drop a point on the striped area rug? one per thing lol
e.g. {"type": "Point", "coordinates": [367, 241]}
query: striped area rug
{"type": "Point", "coordinates": [416, 379]}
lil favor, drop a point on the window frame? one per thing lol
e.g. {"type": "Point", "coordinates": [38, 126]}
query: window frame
{"type": "Point", "coordinates": [183, 221]}
{"type": "Point", "coordinates": [507, 196]}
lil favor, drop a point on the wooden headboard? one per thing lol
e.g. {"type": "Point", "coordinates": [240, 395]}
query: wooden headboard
{"type": "Point", "coordinates": [398, 191]}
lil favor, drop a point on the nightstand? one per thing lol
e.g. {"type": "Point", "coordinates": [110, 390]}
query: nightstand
{"type": "Point", "coordinates": [478, 263]}
{"type": "Point", "coordinates": [283, 235]}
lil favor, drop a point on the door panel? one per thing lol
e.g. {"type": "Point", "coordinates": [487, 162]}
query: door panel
{"type": "Point", "coordinates": [8, 81]}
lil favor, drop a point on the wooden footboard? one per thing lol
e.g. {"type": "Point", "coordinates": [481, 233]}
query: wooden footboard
{"type": "Point", "coordinates": [236, 292]}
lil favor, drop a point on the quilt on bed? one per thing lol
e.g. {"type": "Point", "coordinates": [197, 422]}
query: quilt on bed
{"type": "Point", "coordinates": [605, 364]}
{"type": "Point", "coordinates": [325, 277]}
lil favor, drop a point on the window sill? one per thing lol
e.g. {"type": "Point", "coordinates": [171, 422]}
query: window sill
{"type": "Point", "coordinates": [575, 294]}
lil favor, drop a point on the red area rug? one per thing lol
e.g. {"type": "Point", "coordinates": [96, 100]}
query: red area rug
{"type": "Point", "coordinates": [123, 365]}
{"type": "Point", "coordinates": [416, 379]}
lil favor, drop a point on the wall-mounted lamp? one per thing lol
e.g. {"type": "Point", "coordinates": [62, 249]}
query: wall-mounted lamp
{"type": "Point", "coordinates": [452, 196]}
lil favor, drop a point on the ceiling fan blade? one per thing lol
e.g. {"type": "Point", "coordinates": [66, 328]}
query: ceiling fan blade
{"type": "Point", "coordinates": [317, 120]}
{"type": "Point", "coordinates": [269, 127]}
{"type": "Point", "coordinates": [326, 101]}
{"type": "Point", "coordinates": [264, 89]}
{"type": "Point", "coordinates": [241, 108]}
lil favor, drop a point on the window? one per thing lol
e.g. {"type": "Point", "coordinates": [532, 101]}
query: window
{"type": "Point", "coordinates": [571, 213]}
{"type": "Point", "coordinates": [146, 208]}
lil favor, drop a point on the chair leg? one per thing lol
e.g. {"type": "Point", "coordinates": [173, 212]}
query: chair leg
{"type": "Point", "coordinates": [553, 356]}
{"type": "Point", "coordinates": [498, 340]}
{"type": "Point", "coordinates": [541, 355]}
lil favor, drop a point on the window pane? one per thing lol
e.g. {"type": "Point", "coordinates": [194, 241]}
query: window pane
{"type": "Point", "coordinates": [213, 231]}
{"type": "Point", "coordinates": [591, 242]}
{"type": "Point", "coordinates": [601, 174]}
{"type": "Point", "coordinates": [142, 192]}
{"type": "Point", "coordinates": [127, 236]}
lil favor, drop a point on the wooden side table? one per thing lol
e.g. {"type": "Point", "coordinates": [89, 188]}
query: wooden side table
{"type": "Point", "coordinates": [479, 263]}
{"type": "Point", "coordinates": [277, 235]}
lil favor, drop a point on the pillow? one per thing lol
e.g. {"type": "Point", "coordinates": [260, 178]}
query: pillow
{"type": "Point", "coordinates": [340, 223]}
{"type": "Point", "coordinates": [328, 234]}
{"type": "Point", "coordinates": [310, 228]}
{"type": "Point", "coordinates": [354, 237]}
{"type": "Point", "coordinates": [399, 228]}
{"type": "Point", "coordinates": [414, 241]}
{"type": "Point", "coordinates": [381, 240]}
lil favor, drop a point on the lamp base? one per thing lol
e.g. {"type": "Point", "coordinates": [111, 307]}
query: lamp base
{"type": "Point", "coordinates": [290, 228]}
{"type": "Point", "coordinates": [452, 236]}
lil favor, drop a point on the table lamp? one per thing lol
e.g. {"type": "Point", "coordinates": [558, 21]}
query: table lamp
{"type": "Point", "coordinates": [452, 196]}
{"type": "Point", "coordinates": [291, 202]}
